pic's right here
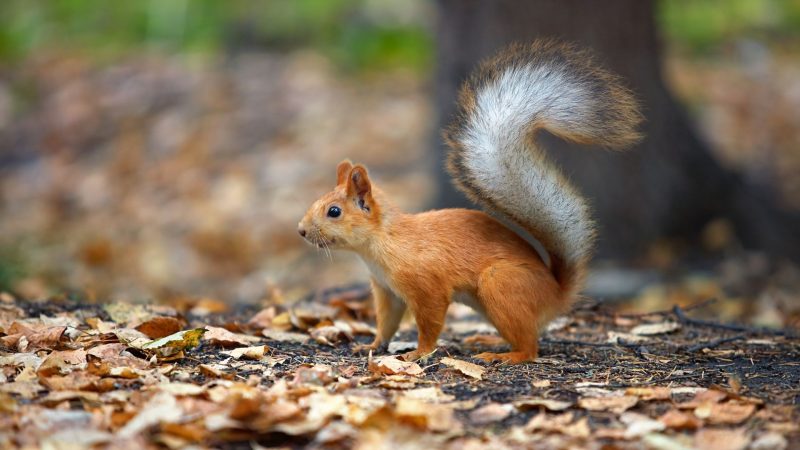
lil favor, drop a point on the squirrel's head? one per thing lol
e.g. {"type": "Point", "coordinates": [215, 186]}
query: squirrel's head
{"type": "Point", "coordinates": [346, 217]}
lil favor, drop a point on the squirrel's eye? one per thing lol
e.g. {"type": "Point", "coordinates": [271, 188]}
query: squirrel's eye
{"type": "Point", "coordinates": [334, 211]}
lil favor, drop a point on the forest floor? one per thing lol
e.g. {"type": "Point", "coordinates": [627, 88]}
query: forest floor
{"type": "Point", "coordinates": [155, 376]}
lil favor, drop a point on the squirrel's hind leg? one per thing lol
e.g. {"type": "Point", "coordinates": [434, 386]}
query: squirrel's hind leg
{"type": "Point", "coordinates": [515, 297]}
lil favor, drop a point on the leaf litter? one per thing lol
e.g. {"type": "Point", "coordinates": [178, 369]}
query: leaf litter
{"type": "Point", "coordinates": [280, 377]}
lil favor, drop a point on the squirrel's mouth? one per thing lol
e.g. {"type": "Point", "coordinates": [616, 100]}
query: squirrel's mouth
{"type": "Point", "coordinates": [316, 239]}
{"type": "Point", "coordinates": [323, 243]}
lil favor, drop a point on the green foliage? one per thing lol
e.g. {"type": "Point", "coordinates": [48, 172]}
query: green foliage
{"type": "Point", "coordinates": [12, 267]}
{"type": "Point", "coordinates": [341, 28]}
{"type": "Point", "coordinates": [700, 25]}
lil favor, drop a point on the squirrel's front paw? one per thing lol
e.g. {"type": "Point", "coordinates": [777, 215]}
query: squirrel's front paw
{"type": "Point", "coordinates": [366, 348]}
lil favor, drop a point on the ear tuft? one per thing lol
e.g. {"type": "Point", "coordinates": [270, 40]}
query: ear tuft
{"type": "Point", "coordinates": [359, 183]}
{"type": "Point", "coordinates": [342, 170]}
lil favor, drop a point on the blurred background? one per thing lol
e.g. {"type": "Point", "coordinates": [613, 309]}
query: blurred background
{"type": "Point", "coordinates": [152, 150]}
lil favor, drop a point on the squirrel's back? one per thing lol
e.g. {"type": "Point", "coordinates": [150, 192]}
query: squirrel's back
{"type": "Point", "coordinates": [496, 162]}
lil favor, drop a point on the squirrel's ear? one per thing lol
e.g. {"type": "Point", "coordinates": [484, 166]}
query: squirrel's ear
{"type": "Point", "coordinates": [359, 186]}
{"type": "Point", "coordinates": [342, 170]}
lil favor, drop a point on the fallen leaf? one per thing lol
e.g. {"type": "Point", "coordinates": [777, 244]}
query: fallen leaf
{"type": "Point", "coordinates": [730, 413]}
{"type": "Point", "coordinates": [430, 394]}
{"type": "Point", "coordinates": [638, 425]}
{"type": "Point", "coordinates": [713, 439]}
{"type": "Point", "coordinates": [62, 362]}
{"type": "Point", "coordinates": [20, 335]}
{"type": "Point", "coordinates": [704, 397]}
{"type": "Point", "coordinates": [256, 352]}
{"type": "Point", "coordinates": [224, 338]}
{"type": "Point", "coordinates": [467, 368]}
{"type": "Point", "coordinates": [541, 384]}
{"type": "Point", "coordinates": [769, 441]}
{"type": "Point", "coordinates": [614, 404]}
{"type": "Point", "coordinates": [332, 334]}
{"type": "Point", "coordinates": [433, 417]}
{"type": "Point", "coordinates": [178, 341]}
{"type": "Point", "coordinates": [262, 319]}
{"type": "Point", "coordinates": [552, 405]}
{"type": "Point", "coordinates": [160, 326]}
{"type": "Point", "coordinates": [285, 336]}
{"type": "Point", "coordinates": [162, 407]}
{"type": "Point", "coordinates": [560, 423]}
{"type": "Point", "coordinates": [493, 412]}
{"type": "Point", "coordinates": [650, 393]}
{"type": "Point", "coordinates": [650, 329]}
{"type": "Point", "coordinates": [680, 420]}
{"type": "Point", "coordinates": [318, 375]}
{"type": "Point", "coordinates": [179, 389]}
{"type": "Point", "coordinates": [401, 346]}
{"type": "Point", "coordinates": [614, 337]}
{"type": "Point", "coordinates": [391, 365]}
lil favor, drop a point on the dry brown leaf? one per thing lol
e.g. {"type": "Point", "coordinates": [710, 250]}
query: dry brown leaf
{"type": "Point", "coordinates": [614, 404]}
{"type": "Point", "coordinates": [430, 394]}
{"type": "Point", "coordinates": [638, 425]}
{"type": "Point", "coordinates": [493, 412]}
{"type": "Point", "coordinates": [206, 306]}
{"type": "Point", "coordinates": [651, 329]}
{"type": "Point", "coordinates": [62, 362]}
{"type": "Point", "coordinates": [332, 334]}
{"type": "Point", "coordinates": [224, 338]}
{"type": "Point", "coordinates": [703, 397]}
{"type": "Point", "coordinates": [391, 365]}
{"type": "Point", "coordinates": [256, 352]}
{"type": "Point", "coordinates": [425, 415]}
{"type": "Point", "coordinates": [27, 339]}
{"type": "Point", "coordinates": [552, 405]}
{"type": "Point", "coordinates": [161, 408]}
{"type": "Point", "coordinates": [467, 368]}
{"type": "Point", "coordinates": [560, 423]}
{"type": "Point", "coordinates": [25, 389]}
{"type": "Point", "coordinates": [650, 393]}
{"type": "Point", "coordinates": [401, 346]}
{"type": "Point", "coordinates": [318, 375]}
{"type": "Point", "coordinates": [262, 319]}
{"type": "Point", "coordinates": [731, 412]}
{"type": "Point", "coordinates": [285, 336]}
{"type": "Point", "coordinates": [614, 337]}
{"type": "Point", "coordinates": [679, 420]}
{"type": "Point", "coordinates": [214, 370]}
{"type": "Point", "coordinates": [179, 389]}
{"type": "Point", "coordinates": [160, 326]}
{"type": "Point", "coordinates": [714, 439]}
{"type": "Point", "coordinates": [117, 355]}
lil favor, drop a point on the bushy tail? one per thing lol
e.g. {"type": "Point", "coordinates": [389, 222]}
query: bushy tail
{"type": "Point", "coordinates": [494, 158]}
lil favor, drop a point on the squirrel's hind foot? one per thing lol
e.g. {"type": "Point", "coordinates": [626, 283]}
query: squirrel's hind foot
{"type": "Point", "coordinates": [506, 358]}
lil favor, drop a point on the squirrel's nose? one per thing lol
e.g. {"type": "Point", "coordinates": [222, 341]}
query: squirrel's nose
{"type": "Point", "coordinates": [302, 231]}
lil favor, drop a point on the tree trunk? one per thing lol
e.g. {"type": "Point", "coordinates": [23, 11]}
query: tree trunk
{"type": "Point", "coordinates": [669, 185]}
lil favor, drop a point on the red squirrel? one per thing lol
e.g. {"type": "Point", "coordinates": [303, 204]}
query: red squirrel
{"type": "Point", "coordinates": [425, 261]}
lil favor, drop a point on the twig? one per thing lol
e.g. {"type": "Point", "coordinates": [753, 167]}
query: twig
{"type": "Point", "coordinates": [590, 344]}
{"type": "Point", "coordinates": [597, 307]}
{"type": "Point", "coordinates": [714, 343]}
{"type": "Point", "coordinates": [683, 318]}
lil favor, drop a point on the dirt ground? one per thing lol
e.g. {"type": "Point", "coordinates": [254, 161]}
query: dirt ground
{"type": "Point", "coordinates": [603, 380]}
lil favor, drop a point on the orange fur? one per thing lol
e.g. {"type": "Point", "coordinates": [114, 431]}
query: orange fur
{"type": "Point", "coordinates": [424, 261]}
{"type": "Point", "coordinates": [420, 261]}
